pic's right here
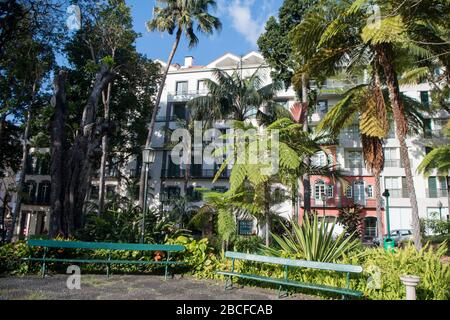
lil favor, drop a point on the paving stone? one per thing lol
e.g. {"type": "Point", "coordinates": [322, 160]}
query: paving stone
{"type": "Point", "coordinates": [130, 287]}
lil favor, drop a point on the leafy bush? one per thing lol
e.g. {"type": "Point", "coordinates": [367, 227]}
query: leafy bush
{"type": "Point", "coordinates": [11, 256]}
{"type": "Point", "coordinates": [426, 263]}
{"type": "Point", "coordinates": [350, 218]}
{"type": "Point", "coordinates": [314, 241]}
{"type": "Point", "coordinates": [199, 257]}
{"type": "Point", "coordinates": [251, 244]}
{"type": "Point", "coordinates": [123, 224]}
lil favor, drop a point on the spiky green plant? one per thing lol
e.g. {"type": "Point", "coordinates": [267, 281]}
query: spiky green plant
{"type": "Point", "coordinates": [314, 241]}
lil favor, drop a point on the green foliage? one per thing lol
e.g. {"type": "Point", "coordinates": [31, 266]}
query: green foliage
{"type": "Point", "coordinates": [350, 218]}
{"type": "Point", "coordinates": [434, 225]}
{"type": "Point", "coordinates": [122, 223]}
{"type": "Point", "coordinates": [199, 256]}
{"type": "Point", "coordinates": [185, 16]}
{"type": "Point", "coordinates": [434, 274]}
{"type": "Point", "coordinates": [251, 244]}
{"type": "Point", "coordinates": [10, 258]}
{"type": "Point", "coordinates": [314, 241]}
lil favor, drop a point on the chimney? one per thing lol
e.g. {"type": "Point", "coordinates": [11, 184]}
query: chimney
{"type": "Point", "coordinates": [188, 61]}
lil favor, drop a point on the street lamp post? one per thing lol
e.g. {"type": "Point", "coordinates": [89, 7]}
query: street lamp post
{"type": "Point", "coordinates": [148, 157]}
{"type": "Point", "coordinates": [388, 242]}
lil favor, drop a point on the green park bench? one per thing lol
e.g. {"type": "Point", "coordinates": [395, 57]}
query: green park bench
{"type": "Point", "coordinates": [289, 263]}
{"type": "Point", "coordinates": [48, 244]}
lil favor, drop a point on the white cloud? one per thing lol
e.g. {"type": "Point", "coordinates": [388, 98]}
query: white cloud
{"type": "Point", "coordinates": [248, 17]}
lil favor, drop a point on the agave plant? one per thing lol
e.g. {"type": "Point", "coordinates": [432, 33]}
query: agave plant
{"type": "Point", "coordinates": [314, 241]}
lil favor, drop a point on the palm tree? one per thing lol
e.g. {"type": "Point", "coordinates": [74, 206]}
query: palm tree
{"type": "Point", "coordinates": [339, 35]}
{"type": "Point", "coordinates": [178, 16]}
{"type": "Point", "coordinates": [232, 96]}
{"type": "Point", "coordinates": [366, 105]}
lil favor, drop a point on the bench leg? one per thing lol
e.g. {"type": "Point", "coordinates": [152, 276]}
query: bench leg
{"type": "Point", "coordinates": [229, 283]}
{"type": "Point", "coordinates": [43, 268]}
{"type": "Point", "coordinates": [166, 271]}
{"type": "Point", "coordinates": [282, 293]}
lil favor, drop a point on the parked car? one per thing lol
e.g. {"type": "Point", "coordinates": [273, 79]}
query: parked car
{"type": "Point", "coordinates": [399, 236]}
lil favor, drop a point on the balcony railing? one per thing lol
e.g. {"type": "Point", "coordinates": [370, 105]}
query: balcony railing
{"type": "Point", "coordinates": [392, 163]}
{"type": "Point", "coordinates": [437, 193]}
{"type": "Point", "coordinates": [186, 95]}
{"type": "Point", "coordinates": [399, 193]}
{"type": "Point", "coordinates": [342, 202]}
{"type": "Point", "coordinates": [203, 174]}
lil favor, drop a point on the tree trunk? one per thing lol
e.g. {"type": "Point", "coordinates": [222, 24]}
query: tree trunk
{"type": "Point", "coordinates": [58, 141]}
{"type": "Point", "coordinates": [402, 130]}
{"type": "Point", "coordinates": [156, 110]}
{"type": "Point", "coordinates": [101, 193]}
{"type": "Point", "coordinates": [378, 199]}
{"type": "Point", "coordinates": [2, 124]}
{"type": "Point", "coordinates": [22, 174]}
{"type": "Point", "coordinates": [307, 161]}
{"type": "Point", "coordinates": [83, 151]}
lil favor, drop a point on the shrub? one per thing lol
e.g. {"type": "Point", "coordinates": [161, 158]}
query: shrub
{"type": "Point", "coordinates": [314, 241]}
{"type": "Point", "coordinates": [350, 218]}
{"type": "Point", "coordinates": [199, 257]}
{"type": "Point", "coordinates": [426, 263]}
{"type": "Point", "coordinates": [11, 256]}
{"type": "Point", "coordinates": [251, 244]}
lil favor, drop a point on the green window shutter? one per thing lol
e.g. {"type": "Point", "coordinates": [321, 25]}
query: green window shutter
{"type": "Point", "coordinates": [427, 128]}
{"type": "Point", "coordinates": [432, 187]}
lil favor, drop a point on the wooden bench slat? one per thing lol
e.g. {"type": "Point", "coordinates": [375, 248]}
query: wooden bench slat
{"type": "Point", "coordinates": [295, 263]}
{"type": "Point", "coordinates": [105, 261]}
{"type": "Point", "coordinates": [105, 245]}
{"type": "Point", "coordinates": [292, 283]}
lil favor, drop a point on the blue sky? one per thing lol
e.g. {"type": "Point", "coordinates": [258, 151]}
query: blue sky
{"type": "Point", "coordinates": [243, 21]}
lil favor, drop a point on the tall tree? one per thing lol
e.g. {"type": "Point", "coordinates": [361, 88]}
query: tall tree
{"type": "Point", "coordinates": [178, 16]}
{"type": "Point", "coordinates": [276, 48]}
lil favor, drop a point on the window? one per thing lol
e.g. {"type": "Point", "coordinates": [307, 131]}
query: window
{"type": "Point", "coordinates": [349, 192]}
{"type": "Point", "coordinates": [428, 132]}
{"type": "Point", "coordinates": [94, 192]}
{"type": "Point", "coordinates": [437, 187]}
{"type": "Point", "coordinates": [173, 193]}
{"type": "Point", "coordinates": [193, 194]}
{"type": "Point", "coordinates": [319, 189]}
{"type": "Point", "coordinates": [439, 125]}
{"type": "Point", "coordinates": [370, 228]}
{"type": "Point", "coordinates": [369, 191]}
{"type": "Point", "coordinates": [182, 87]}
{"type": "Point", "coordinates": [320, 159]}
{"type": "Point", "coordinates": [220, 189]}
{"type": "Point", "coordinates": [179, 111]}
{"type": "Point", "coordinates": [359, 192]}
{"type": "Point", "coordinates": [352, 133]}
{"type": "Point", "coordinates": [110, 191]}
{"type": "Point", "coordinates": [394, 185]}
{"type": "Point", "coordinates": [425, 98]}
{"type": "Point", "coordinates": [202, 88]}
{"type": "Point", "coordinates": [391, 159]}
{"type": "Point", "coordinates": [322, 107]}
{"type": "Point", "coordinates": [330, 191]}
{"type": "Point", "coordinates": [405, 232]}
{"type": "Point", "coordinates": [354, 159]}
{"type": "Point", "coordinates": [30, 192]}
{"type": "Point", "coordinates": [245, 227]}
{"type": "Point", "coordinates": [44, 193]}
